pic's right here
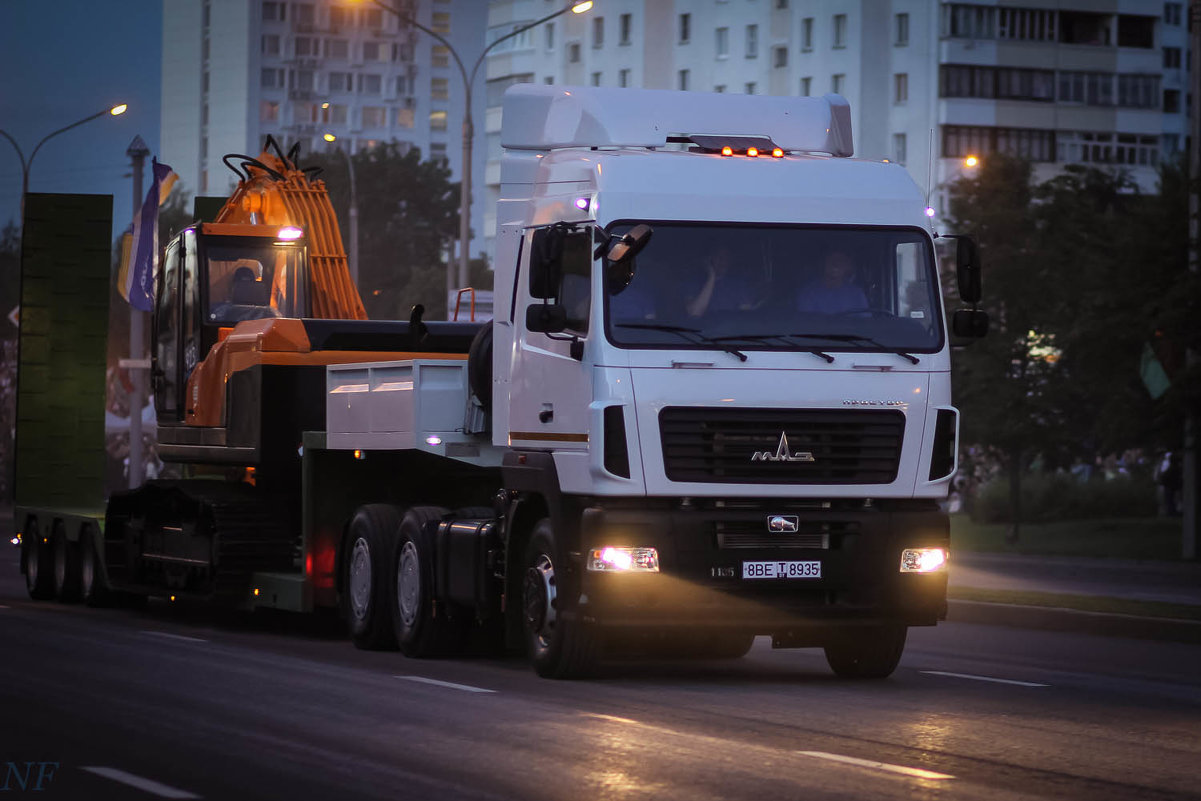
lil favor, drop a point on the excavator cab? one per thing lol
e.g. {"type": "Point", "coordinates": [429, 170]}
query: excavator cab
{"type": "Point", "coordinates": [212, 277]}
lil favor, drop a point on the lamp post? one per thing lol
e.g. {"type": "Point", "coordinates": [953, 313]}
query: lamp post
{"type": "Point", "coordinates": [26, 165]}
{"type": "Point", "coordinates": [577, 7]}
{"type": "Point", "coordinates": [354, 213]}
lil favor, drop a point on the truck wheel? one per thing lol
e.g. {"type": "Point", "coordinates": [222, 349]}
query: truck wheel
{"type": "Point", "coordinates": [421, 630]}
{"type": "Point", "coordinates": [92, 588]}
{"type": "Point", "coordinates": [868, 653]}
{"type": "Point", "coordinates": [66, 565]}
{"type": "Point", "coordinates": [560, 648]}
{"type": "Point", "coordinates": [39, 569]}
{"type": "Point", "coordinates": [370, 551]}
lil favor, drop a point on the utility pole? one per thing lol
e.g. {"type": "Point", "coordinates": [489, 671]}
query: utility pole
{"type": "Point", "coordinates": [1192, 476]}
{"type": "Point", "coordinates": [137, 363]}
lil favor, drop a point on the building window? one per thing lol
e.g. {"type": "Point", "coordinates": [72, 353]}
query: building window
{"type": "Point", "coordinates": [840, 30]}
{"type": "Point", "coordinates": [550, 36]}
{"type": "Point", "coordinates": [623, 78]}
{"type": "Point", "coordinates": [303, 46]}
{"type": "Point", "coordinates": [440, 56]}
{"type": "Point", "coordinates": [304, 80]}
{"type": "Point", "coordinates": [1097, 147]}
{"type": "Point", "coordinates": [1171, 101]}
{"type": "Point", "coordinates": [720, 89]}
{"type": "Point", "coordinates": [751, 87]}
{"type": "Point", "coordinates": [337, 49]}
{"type": "Point", "coordinates": [900, 88]}
{"type": "Point", "coordinates": [573, 53]}
{"type": "Point", "coordinates": [339, 17]}
{"type": "Point", "coordinates": [807, 33]}
{"type": "Point", "coordinates": [404, 118]}
{"type": "Point", "coordinates": [779, 56]}
{"type": "Point", "coordinates": [964, 140]}
{"type": "Point", "coordinates": [441, 20]}
{"type": "Point", "coordinates": [374, 52]}
{"type": "Point", "coordinates": [340, 82]}
{"type": "Point", "coordinates": [370, 84]}
{"type": "Point", "coordinates": [268, 111]}
{"type": "Point", "coordinates": [960, 21]}
{"type": "Point", "coordinates": [1138, 91]}
{"type": "Point", "coordinates": [305, 15]}
{"type": "Point", "coordinates": [752, 41]}
{"type": "Point", "coordinates": [1172, 13]}
{"type": "Point", "coordinates": [596, 79]}
{"type": "Point", "coordinates": [437, 120]}
{"type": "Point", "coordinates": [272, 79]}
{"type": "Point", "coordinates": [723, 42]}
{"type": "Point", "coordinates": [374, 117]}
{"type": "Point", "coordinates": [271, 45]}
{"type": "Point", "coordinates": [682, 80]}
{"type": "Point", "coordinates": [598, 32]}
{"type": "Point", "coordinates": [625, 24]}
{"type": "Point", "coordinates": [1171, 144]}
{"type": "Point", "coordinates": [806, 86]}
{"type": "Point", "coordinates": [273, 11]}
{"type": "Point", "coordinates": [782, 5]}
{"type": "Point", "coordinates": [898, 148]}
{"type": "Point", "coordinates": [1171, 58]}
{"type": "Point", "coordinates": [439, 88]}
{"type": "Point", "coordinates": [902, 30]}
{"type": "Point", "coordinates": [837, 82]}
{"type": "Point", "coordinates": [336, 114]}
{"type": "Point", "coordinates": [685, 28]}
{"type": "Point", "coordinates": [438, 153]}
{"type": "Point", "coordinates": [1027, 24]}
{"type": "Point", "coordinates": [1089, 88]}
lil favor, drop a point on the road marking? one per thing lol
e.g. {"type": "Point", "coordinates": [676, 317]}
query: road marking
{"type": "Point", "coordinates": [917, 773]}
{"type": "Point", "coordinates": [613, 718]}
{"type": "Point", "coordinates": [464, 687]}
{"type": "Point", "coordinates": [983, 678]}
{"type": "Point", "coordinates": [148, 785]}
{"type": "Point", "coordinates": [173, 636]}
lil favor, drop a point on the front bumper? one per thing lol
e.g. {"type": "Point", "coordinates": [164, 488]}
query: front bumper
{"type": "Point", "coordinates": [702, 549]}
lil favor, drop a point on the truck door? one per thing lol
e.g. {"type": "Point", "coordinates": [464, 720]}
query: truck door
{"type": "Point", "coordinates": [167, 378]}
{"type": "Point", "coordinates": [551, 387]}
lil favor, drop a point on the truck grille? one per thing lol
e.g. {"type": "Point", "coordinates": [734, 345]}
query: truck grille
{"type": "Point", "coordinates": [754, 534]}
{"type": "Point", "coordinates": [782, 446]}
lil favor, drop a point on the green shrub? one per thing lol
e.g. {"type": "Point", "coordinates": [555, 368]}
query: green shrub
{"type": "Point", "coordinates": [1058, 496]}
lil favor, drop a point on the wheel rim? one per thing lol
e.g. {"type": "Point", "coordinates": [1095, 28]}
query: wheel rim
{"type": "Point", "coordinates": [360, 580]}
{"type": "Point", "coordinates": [540, 597]}
{"type": "Point", "coordinates": [408, 584]}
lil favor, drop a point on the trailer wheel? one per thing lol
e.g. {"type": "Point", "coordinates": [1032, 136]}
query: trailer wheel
{"type": "Point", "coordinates": [560, 647]}
{"type": "Point", "coordinates": [66, 565]}
{"type": "Point", "coordinates": [92, 588]}
{"type": "Point", "coordinates": [421, 629]}
{"type": "Point", "coordinates": [370, 550]}
{"type": "Point", "coordinates": [38, 567]}
{"type": "Point", "coordinates": [868, 653]}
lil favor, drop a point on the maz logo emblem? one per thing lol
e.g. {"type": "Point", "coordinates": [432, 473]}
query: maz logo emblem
{"type": "Point", "coordinates": [783, 524]}
{"type": "Point", "coordinates": [782, 454]}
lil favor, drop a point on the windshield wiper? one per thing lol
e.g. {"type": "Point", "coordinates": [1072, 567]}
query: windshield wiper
{"type": "Point", "coordinates": [783, 337]}
{"type": "Point", "coordinates": [861, 338]}
{"type": "Point", "coordinates": [693, 335]}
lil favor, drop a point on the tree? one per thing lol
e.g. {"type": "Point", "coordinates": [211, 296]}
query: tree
{"type": "Point", "coordinates": [408, 215]}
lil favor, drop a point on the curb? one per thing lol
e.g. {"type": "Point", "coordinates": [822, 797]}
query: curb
{"type": "Point", "coordinates": [1048, 618]}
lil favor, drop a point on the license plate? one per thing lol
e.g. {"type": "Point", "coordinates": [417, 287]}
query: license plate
{"type": "Point", "coordinates": [781, 570]}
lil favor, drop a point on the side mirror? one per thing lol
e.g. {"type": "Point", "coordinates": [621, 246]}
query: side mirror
{"type": "Point", "coordinates": [546, 318]}
{"type": "Point", "coordinates": [546, 262]}
{"type": "Point", "coordinates": [967, 261]}
{"type": "Point", "coordinates": [969, 323]}
{"type": "Point", "coordinates": [629, 244]}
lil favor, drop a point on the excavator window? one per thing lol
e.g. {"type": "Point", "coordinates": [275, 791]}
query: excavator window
{"type": "Point", "coordinates": [253, 280]}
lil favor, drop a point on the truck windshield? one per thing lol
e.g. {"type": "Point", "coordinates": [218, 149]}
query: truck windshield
{"type": "Point", "coordinates": [778, 288]}
{"type": "Point", "coordinates": [253, 278]}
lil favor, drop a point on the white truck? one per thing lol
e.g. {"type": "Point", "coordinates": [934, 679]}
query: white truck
{"type": "Point", "coordinates": [718, 403]}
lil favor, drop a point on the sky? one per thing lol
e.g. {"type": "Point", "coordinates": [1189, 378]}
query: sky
{"type": "Point", "coordinates": [61, 61]}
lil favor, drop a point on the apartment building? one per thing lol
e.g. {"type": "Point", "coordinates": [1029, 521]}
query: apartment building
{"type": "Point", "coordinates": [929, 82]}
{"type": "Point", "coordinates": [235, 71]}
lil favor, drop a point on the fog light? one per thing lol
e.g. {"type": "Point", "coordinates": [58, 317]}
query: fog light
{"type": "Point", "coordinates": [923, 560]}
{"type": "Point", "coordinates": [620, 559]}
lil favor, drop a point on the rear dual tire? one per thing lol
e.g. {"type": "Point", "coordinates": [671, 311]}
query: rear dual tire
{"type": "Point", "coordinates": [370, 549]}
{"type": "Point", "coordinates": [37, 556]}
{"type": "Point", "coordinates": [422, 629]}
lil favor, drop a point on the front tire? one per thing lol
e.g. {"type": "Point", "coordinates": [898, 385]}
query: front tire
{"type": "Point", "coordinates": [92, 587]}
{"type": "Point", "coordinates": [868, 653]}
{"type": "Point", "coordinates": [370, 552]}
{"type": "Point", "coordinates": [560, 647]}
{"type": "Point", "coordinates": [422, 630]}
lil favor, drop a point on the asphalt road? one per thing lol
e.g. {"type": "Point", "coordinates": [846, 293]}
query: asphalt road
{"type": "Point", "coordinates": [175, 703]}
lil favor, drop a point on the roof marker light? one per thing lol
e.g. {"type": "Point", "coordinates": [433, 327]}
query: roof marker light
{"type": "Point", "coordinates": [727, 151]}
{"type": "Point", "coordinates": [752, 151]}
{"type": "Point", "coordinates": [581, 203]}
{"type": "Point", "coordinates": [289, 233]}
{"type": "Point", "coordinates": [777, 153]}
{"type": "Point", "coordinates": [929, 211]}
{"type": "Point", "coordinates": [433, 439]}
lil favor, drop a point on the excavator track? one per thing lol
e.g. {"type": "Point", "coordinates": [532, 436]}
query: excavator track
{"type": "Point", "coordinates": [198, 538]}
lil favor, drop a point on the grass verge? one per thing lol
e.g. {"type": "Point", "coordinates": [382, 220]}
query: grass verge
{"type": "Point", "coordinates": [1082, 603]}
{"type": "Point", "coordinates": [1119, 538]}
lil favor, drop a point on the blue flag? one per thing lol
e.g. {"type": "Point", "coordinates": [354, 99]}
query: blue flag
{"type": "Point", "coordinates": [136, 280]}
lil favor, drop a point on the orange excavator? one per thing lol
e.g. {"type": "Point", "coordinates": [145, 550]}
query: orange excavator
{"type": "Point", "coordinates": [249, 310]}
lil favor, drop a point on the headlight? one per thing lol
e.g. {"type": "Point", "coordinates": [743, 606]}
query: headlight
{"type": "Point", "coordinates": [622, 559]}
{"type": "Point", "coordinates": [923, 560]}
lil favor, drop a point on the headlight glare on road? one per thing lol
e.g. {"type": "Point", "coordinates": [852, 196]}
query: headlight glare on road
{"type": "Point", "coordinates": [623, 559]}
{"type": "Point", "coordinates": [923, 560]}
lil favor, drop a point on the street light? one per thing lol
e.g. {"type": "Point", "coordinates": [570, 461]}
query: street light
{"type": "Point", "coordinates": [26, 165]}
{"type": "Point", "coordinates": [577, 7]}
{"type": "Point", "coordinates": [354, 213]}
